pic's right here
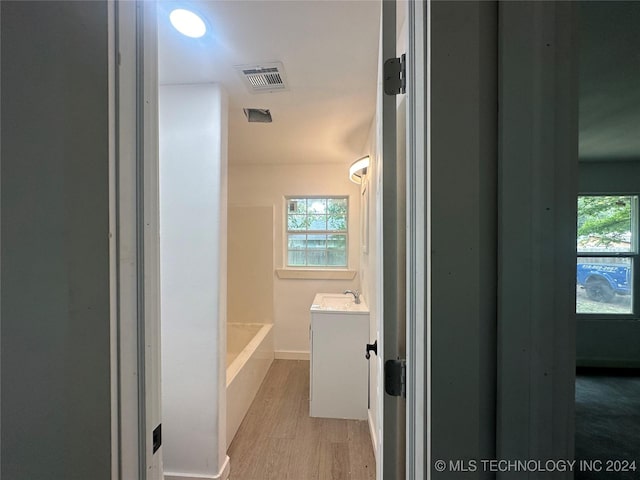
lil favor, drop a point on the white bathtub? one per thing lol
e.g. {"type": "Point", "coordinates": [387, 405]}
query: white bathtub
{"type": "Point", "coordinates": [249, 356]}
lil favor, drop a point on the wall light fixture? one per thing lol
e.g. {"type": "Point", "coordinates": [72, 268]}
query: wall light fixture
{"type": "Point", "coordinates": [358, 169]}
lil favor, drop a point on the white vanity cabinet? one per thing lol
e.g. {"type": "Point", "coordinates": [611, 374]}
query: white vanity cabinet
{"type": "Point", "coordinates": [339, 370]}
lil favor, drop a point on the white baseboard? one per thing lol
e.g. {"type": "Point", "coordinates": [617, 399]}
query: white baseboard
{"type": "Point", "coordinates": [372, 432]}
{"type": "Point", "coordinates": [187, 476]}
{"type": "Point", "coordinates": [291, 355]}
{"type": "Point", "coordinates": [222, 475]}
{"type": "Point", "coordinates": [224, 471]}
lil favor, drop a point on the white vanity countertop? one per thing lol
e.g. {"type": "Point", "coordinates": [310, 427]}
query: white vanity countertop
{"type": "Point", "coordinates": [338, 303]}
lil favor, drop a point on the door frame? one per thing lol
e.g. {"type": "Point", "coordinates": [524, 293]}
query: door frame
{"type": "Point", "coordinates": [134, 226]}
{"type": "Point", "coordinates": [418, 252]}
{"type": "Point", "coordinates": [135, 282]}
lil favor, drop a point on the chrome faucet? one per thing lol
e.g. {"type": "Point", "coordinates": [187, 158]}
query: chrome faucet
{"type": "Point", "coordinates": [356, 295]}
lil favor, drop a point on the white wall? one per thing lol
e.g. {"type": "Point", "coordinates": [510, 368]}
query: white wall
{"type": "Point", "coordinates": [463, 226]}
{"type": "Point", "coordinates": [536, 200]}
{"type": "Point", "coordinates": [250, 264]}
{"type": "Point", "coordinates": [56, 348]}
{"type": "Point", "coordinates": [193, 157]}
{"type": "Point", "coordinates": [267, 186]}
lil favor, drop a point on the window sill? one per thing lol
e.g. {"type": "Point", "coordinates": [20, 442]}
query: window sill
{"type": "Point", "coordinates": [314, 274]}
{"type": "Point", "coordinates": [607, 317]}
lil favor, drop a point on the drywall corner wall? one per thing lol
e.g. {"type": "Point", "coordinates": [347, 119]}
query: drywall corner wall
{"type": "Point", "coordinates": [250, 264]}
{"type": "Point", "coordinates": [462, 142]}
{"type": "Point", "coordinates": [193, 157]}
{"type": "Point", "coordinates": [267, 185]}
{"type": "Point", "coordinates": [56, 393]}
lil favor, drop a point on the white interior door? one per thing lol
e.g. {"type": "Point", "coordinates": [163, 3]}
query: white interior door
{"type": "Point", "coordinates": [393, 260]}
{"type": "Point", "coordinates": [404, 240]}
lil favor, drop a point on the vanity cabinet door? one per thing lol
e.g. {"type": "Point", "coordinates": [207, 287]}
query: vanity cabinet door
{"type": "Point", "coordinates": [339, 378]}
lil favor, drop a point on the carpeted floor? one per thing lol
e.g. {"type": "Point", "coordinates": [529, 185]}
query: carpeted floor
{"type": "Point", "coordinates": [608, 422]}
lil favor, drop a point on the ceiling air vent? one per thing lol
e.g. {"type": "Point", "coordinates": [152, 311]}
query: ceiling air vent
{"type": "Point", "coordinates": [257, 115]}
{"type": "Point", "coordinates": [265, 77]}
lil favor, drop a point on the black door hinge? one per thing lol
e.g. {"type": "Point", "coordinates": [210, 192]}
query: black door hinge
{"type": "Point", "coordinates": [395, 75]}
{"type": "Point", "coordinates": [395, 377]}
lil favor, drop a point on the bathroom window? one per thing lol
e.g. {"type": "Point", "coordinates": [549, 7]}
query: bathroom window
{"type": "Point", "coordinates": [607, 246]}
{"type": "Point", "coordinates": [317, 231]}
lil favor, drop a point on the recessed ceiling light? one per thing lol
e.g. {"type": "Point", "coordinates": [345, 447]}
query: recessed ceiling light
{"type": "Point", "coordinates": [188, 23]}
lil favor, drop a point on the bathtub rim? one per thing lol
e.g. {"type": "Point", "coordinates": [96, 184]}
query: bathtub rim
{"type": "Point", "coordinates": [238, 362]}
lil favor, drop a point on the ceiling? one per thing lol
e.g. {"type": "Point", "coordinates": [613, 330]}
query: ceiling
{"type": "Point", "coordinates": [329, 50]}
{"type": "Point", "coordinates": [609, 80]}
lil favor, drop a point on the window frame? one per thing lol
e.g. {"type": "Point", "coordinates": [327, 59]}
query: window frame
{"type": "Point", "coordinates": [287, 232]}
{"type": "Point", "coordinates": [633, 255]}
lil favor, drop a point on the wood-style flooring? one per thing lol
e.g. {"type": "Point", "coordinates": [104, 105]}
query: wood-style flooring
{"type": "Point", "coordinates": [278, 439]}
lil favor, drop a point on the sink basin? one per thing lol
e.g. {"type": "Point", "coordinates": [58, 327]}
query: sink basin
{"type": "Point", "coordinates": [338, 302]}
